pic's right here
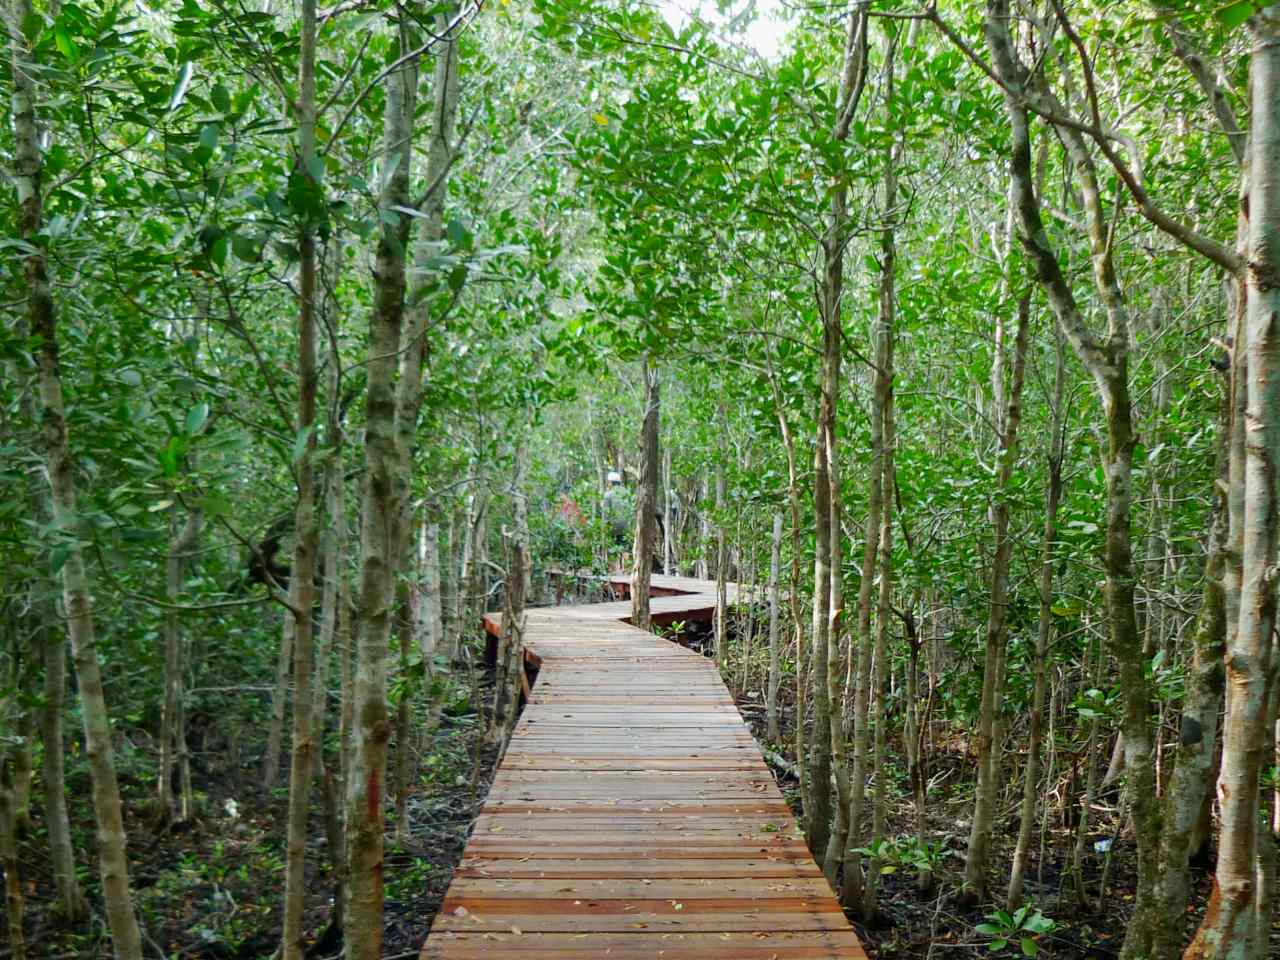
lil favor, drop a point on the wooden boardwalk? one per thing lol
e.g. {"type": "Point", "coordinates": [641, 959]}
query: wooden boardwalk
{"type": "Point", "coordinates": [633, 815]}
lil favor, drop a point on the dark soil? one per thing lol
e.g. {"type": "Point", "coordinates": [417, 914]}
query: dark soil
{"type": "Point", "coordinates": [211, 889]}
{"type": "Point", "coordinates": [939, 925]}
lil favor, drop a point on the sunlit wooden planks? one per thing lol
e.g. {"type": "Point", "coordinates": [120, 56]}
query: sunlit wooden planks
{"type": "Point", "coordinates": [633, 815]}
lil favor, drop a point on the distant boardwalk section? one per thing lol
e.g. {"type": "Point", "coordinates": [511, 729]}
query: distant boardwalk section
{"type": "Point", "coordinates": [633, 815]}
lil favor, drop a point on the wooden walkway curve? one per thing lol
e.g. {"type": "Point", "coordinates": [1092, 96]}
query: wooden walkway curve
{"type": "Point", "coordinates": [633, 815]}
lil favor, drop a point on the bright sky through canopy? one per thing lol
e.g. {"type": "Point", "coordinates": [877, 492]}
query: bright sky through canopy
{"type": "Point", "coordinates": [763, 32]}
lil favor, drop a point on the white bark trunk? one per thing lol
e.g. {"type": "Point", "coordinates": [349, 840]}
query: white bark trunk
{"type": "Point", "coordinates": [365, 786]}
{"type": "Point", "coordinates": [775, 671]}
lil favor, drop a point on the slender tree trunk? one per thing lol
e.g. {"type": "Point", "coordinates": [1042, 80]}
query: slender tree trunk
{"type": "Point", "coordinates": [884, 608]}
{"type": "Point", "coordinates": [378, 540]}
{"type": "Point", "coordinates": [856, 891]}
{"type": "Point", "coordinates": [28, 169]}
{"type": "Point", "coordinates": [1092, 749]}
{"type": "Point", "coordinates": [345, 630]}
{"type": "Point", "coordinates": [1107, 362]}
{"type": "Point", "coordinates": [15, 905]}
{"type": "Point", "coordinates": [332, 552]}
{"type": "Point", "coordinates": [704, 530]}
{"type": "Point", "coordinates": [1010, 410]}
{"type": "Point", "coordinates": [793, 596]}
{"type": "Point", "coordinates": [775, 669]}
{"type": "Point", "coordinates": [722, 572]}
{"type": "Point", "coordinates": [668, 530]}
{"type": "Point", "coordinates": [837, 650]}
{"type": "Point", "coordinates": [860, 677]}
{"type": "Point", "coordinates": [49, 645]}
{"type": "Point", "coordinates": [12, 745]}
{"type": "Point", "coordinates": [279, 701]}
{"type": "Point", "coordinates": [506, 692]}
{"type": "Point", "coordinates": [433, 618]}
{"type": "Point", "coordinates": [306, 529]}
{"type": "Point", "coordinates": [404, 749]}
{"type": "Point", "coordinates": [1044, 631]}
{"type": "Point", "coordinates": [1239, 907]}
{"type": "Point", "coordinates": [819, 823]}
{"type": "Point", "coordinates": [24, 771]}
{"type": "Point", "coordinates": [409, 387]}
{"type": "Point", "coordinates": [916, 767]}
{"type": "Point", "coordinates": [181, 544]}
{"type": "Point", "coordinates": [827, 747]}
{"type": "Point", "coordinates": [71, 904]}
{"type": "Point", "coordinates": [647, 501]}
{"type": "Point", "coordinates": [520, 507]}
{"type": "Point", "coordinates": [461, 600]}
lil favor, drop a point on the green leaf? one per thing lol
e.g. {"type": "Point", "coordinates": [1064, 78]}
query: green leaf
{"type": "Point", "coordinates": [218, 250]}
{"type": "Point", "coordinates": [1234, 14]}
{"type": "Point", "coordinates": [170, 455]}
{"type": "Point", "coordinates": [214, 505]}
{"type": "Point", "coordinates": [988, 929]}
{"type": "Point", "coordinates": [196, 418]}
{"type": "Point", "coordinates": [1029, 947]}
{"type": "Point", "coordinates": [66, 46]}
{"type": "Point", "coordinates": [180, 85]}
{"type": "Point", "coordinates": [996, 945]}
{"type": "Point", "coordinates": [245, 248]}
{"type": "Point", "coordinates": [221, 98]}
{"type": "Point", "coordinates": [457, 232]}
{"type": "Point", "coordinates": [300, 443]}
{"type": "Point", "coordinates": [1039, 923]}
{"type": "Point", "coordinates": [58, 557]}
{"type": "Point", "coordinates": [457, 277]}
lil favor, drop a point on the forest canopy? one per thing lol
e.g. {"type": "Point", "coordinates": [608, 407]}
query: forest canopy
{"type": "Point", "coordinates": [945, 332]}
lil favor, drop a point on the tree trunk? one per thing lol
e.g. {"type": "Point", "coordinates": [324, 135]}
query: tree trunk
{"type": "Point", "coordinates": [378, 540]}
{"type": "Point", "coordinates": [668, 530]}
{"type": "Point", "coordinates": [914, 735]}
{"type": "Point", "coordinates": [1235, 914]}
{"type": "Point", "coordinates": [827, 742]}
{"type": "Point", "coordinates": [1107, 362]}
{"type": "Point", "coordinates": [1044, 630]}
{"type": "Point", "coordinates": [333, 553]}
{"type": "Point", "coordinates": [15, 906]}
{"type": "Point", "coordinates": [704, 530]}
{"type": "Point", "coordinates": [71, 904]}
{"type": "Point", "coordinates": [997, 635]}
{"type": "Point", "coordinates": [647, 501]}
{"type": "Point", "coordinates": [506, 690]}
{"type": "Point", "coordinates": [722, 563]}
{"type": "Point", "coordinates": [279, 702]}
{"type": "Point", "coordinates": [854, 887]}
{"type": "Point", "coordinates": [28, 169]}
{"type": "Point", "coordinates": [306, 529]}
{"type": "Point", "coordinates": [432, 637]}
{"type": "Point", "coordinates": [883, 665]}
{"type": "Point", "coordinates": [181, 544]}
{"type": "Point", "coordinates": [775, 670]}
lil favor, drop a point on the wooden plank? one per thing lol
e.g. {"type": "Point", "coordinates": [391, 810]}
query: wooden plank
{"type": "Point", "coordinates": [633, 815]}
{"type": "Point", "coordinates": [663, 944]}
